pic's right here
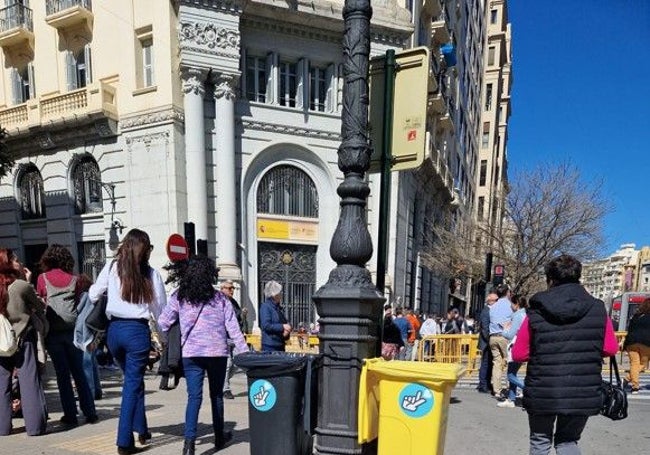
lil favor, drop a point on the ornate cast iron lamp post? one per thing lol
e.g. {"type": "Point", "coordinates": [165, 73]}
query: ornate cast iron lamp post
{"type": "Point", "coordinates": [349, 304]}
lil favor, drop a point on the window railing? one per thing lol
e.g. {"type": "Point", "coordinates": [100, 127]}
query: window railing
{"type": "Point", "coordinates": [56, 6]}
{"type": "Point", "coordinates": [16, 16]}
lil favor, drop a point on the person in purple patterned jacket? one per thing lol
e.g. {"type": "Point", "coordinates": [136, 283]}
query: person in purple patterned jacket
{"type": "Point", "coordinates": [207, 320]}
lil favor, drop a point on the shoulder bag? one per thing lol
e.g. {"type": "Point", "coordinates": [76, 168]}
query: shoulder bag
{"type": "Point", "coordinates": [613, 394]}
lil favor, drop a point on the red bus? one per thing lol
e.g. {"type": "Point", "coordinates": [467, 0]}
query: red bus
{"type": "Point", "coordinates": [623, 308]}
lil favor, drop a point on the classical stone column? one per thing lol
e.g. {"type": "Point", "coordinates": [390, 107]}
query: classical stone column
{"type": "Point", "coordinates": [225, 173]}
{"type": "Point", "coordinates": [197, 188]}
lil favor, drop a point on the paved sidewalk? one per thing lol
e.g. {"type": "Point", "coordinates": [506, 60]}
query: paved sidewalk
{"type": "Point", "coordinates": [165, 414]}
{"type": "Point", "coordinates": [475, 425]}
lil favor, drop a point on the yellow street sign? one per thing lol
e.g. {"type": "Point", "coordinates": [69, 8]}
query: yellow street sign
{"type": "Point", "coordinates": [409, 109]}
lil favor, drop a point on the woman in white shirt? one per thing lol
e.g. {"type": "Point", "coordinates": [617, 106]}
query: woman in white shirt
{"type": "Point", "coordinates": [135, 293]}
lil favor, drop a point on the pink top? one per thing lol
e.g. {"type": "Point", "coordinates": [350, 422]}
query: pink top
{"type": "Point", "coordinates": [57, 278]}
{"type": "Point", "coordinates": [521, 348]}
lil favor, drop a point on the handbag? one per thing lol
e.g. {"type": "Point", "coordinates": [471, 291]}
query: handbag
{"type": "Point", "coordinates": [613, 394]}
{"type": "Point", "coordinates": [97, 319]}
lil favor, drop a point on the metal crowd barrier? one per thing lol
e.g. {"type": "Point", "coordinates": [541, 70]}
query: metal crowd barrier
{"type": "Point", "coordinates": [463, 348]}
{"type": "Point", "coordinates": [296, 343]}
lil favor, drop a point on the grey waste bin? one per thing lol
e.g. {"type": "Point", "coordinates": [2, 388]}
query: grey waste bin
{"type": "Point", "coordinates": [282, 401]}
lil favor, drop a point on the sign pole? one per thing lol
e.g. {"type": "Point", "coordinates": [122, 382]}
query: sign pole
{"type": "Point", "coordinates": [386, 158]}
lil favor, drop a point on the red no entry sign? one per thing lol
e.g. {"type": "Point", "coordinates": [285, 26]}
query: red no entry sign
{"type": "Point", "coordinates": [177, 249]}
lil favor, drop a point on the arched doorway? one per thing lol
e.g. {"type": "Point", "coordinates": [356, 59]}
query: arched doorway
{"type": "Point", "coordinates": [287, 239]}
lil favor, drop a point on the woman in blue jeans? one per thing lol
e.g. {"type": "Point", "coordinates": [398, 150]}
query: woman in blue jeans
{"type": "Point", "coordinates": [135, 292]}
{"type": "Point", "coordinates": [207, 321]}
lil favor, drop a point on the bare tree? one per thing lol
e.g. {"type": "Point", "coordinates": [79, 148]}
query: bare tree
{"type": "Point", "coordinates": [549, 210]}
{"type": "Point", "coordinates": [6, 157]}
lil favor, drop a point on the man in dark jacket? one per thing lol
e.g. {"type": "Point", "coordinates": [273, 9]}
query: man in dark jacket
{"type": "Point", "coordinates": [563, 339]}
{"type": "Point", "coordinates": [485, 370]}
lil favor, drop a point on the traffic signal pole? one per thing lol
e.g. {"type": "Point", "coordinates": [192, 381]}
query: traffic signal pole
{"type": "Point", "coordinates": [386, 158]}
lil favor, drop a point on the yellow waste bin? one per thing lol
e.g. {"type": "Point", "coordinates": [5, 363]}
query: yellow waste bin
{"type": "Point", "coordinates": [405, 405]}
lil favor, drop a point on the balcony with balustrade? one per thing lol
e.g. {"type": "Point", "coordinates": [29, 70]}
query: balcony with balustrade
{"type": "Point", "coordinates": [17, 29]}
{"type": "Point", "coordinates": [69, 14]}
{"type": "Point", "coordinates": [94, 104]}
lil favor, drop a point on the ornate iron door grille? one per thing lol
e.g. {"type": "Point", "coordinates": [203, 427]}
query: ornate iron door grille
{"type": "Point", "coordinates": [92, 257]}
{"type": "Point", "coordinates": [293, 266]}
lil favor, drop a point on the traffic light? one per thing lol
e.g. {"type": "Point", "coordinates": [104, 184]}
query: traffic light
{"type": "Point", "coordinates": [499, 272]}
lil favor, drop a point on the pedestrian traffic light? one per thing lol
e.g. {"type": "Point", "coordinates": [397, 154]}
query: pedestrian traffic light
{"type": "Point", "coordinates": [499, 272]}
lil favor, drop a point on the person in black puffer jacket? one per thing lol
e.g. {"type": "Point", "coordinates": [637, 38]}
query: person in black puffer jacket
{"type": "Point", "coordinates": [637, 343]}
{"type": "Point", "coordinates": [564, 337]}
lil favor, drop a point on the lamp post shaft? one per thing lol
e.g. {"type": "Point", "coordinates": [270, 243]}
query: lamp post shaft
{"type": "Point", "coordinates": [349, 304]}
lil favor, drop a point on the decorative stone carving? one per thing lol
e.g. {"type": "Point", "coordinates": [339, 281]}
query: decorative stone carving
{"type": "Point", "coordinates": [289, 129]}
{"type": "Point", "coordinates": [225, 86]}
{"type": "Point", "coordinates": [205, 34]}
{"type": "Point", "coordinates": [148, 139]}
{"type": "Point", "coordinates": [193, 81]}
{"type": "Point", "coordinates": [171, 114]}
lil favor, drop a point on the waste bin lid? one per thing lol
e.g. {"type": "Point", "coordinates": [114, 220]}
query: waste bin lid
{"type": "Point", "coordinates": [414, 371]}
{"type": "Point", "coordinates": [277, 361]}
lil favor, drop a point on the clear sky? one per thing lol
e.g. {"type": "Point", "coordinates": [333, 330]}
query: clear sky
{"type": "Point", "coordinates": [582, 91]}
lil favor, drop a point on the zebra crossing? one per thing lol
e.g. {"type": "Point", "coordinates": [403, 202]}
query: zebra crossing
{"type": "Point", "coordinates": [471, 382]}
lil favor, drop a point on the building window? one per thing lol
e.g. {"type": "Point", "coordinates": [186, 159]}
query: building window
{"type": "Point", "coordinates": [144, 55]}
{"type": "Point", "coordinates": [491, 52]}
{"type": "Point", "coordinates": [317, 89]}
{"type": "Point", "coordinates": [31, 193]}
{"type": "Point", "coordinates": [22, 84]}
{"type": "Point", "coordinates": [79, 68]}
{"type": "Point", "coordinates": [485, 139]}
{"type": "Point", "coordinates": [147, 63]}
{"type": "Point", "coordinates": [87, 186]}
{"type": "Point", "coordinates": [256, 79]}
{"type": "Point", "coordinates": [92, 257]}
{"type": "Point", "coordinates": [488, 97]}
{"type": "Point", "coordinates": [480, 208]}
{"type": "Point", "coordinates": [483, 173]}
{"type": "Point", "coordinates": [288, 84]}
{"type": "Point", "coordinates": [494, 16]}
{"type": "Point", "coordinates": [289, 191]}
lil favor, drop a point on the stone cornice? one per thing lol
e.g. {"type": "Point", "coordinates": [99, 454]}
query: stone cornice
{"type": "Point", "coordinates": [288, 129]}
{"type": "Point", "coordinates": [167, 115]}
{"type": "Point", "coordinates": [231, 6]}
{"type": "Point", "coordinates": [390, 23]}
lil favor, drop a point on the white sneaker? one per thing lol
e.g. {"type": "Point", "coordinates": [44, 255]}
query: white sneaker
{"type": "Point", "coordinates": [506, 404]}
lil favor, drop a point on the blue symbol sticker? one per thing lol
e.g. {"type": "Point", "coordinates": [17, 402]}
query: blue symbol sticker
{"type": "Point", "coordinates": [262, 395]}
{"type": "Point", "coordinates": [415, 400]}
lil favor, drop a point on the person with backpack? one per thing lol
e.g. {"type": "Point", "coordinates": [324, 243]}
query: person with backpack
{"type": "Point", "coordinates": [18, 304]}
{"type": "Point", "coordinates": [135, 293]}
{"type": "Point", "coordinates": [61, 289]}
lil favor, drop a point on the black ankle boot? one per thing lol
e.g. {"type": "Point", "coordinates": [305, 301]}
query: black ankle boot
{"type": "Point", "coordinates": [221, 441]}
{"type": "Point", "coordinates": [188, 447]}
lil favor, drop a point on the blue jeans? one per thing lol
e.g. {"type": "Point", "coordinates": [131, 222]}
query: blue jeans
{"type": "Point", "coordinates": [91, 370]}
{"type": "Point", "coordinates": [195, 369]}
{"type": "Point", "coordinates": [514, 381]}
{"type": "Point", "coordinates": [129, 341]}
{"type": "Point", "coordinates": [68, 360]}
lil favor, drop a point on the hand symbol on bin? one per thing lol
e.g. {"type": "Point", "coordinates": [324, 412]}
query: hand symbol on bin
{"type": "Point", "coordinates": [413, 402]}
{"type": "Point", "coordinates": [260, 397]}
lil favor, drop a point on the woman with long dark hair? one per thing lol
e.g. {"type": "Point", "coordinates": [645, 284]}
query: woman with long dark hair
{"type": "Point", "coordinates": [207, 321]}
{"type": "Point", "coordinates": [57, 282]}
{"type": "Point", "coordinates": [135, 293]}
{"type": "Point", "coordinates": [20, 304]}
{"type": "Point", "coordinates": [637, 343]}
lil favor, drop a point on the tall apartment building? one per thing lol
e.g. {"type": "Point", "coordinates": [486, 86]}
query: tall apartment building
{"type": "Point", "coordinates": [492, 175]}
{"type": "Point", "coordinates": [150, 113]}
{"type": "Point", "coordinates": [642, 282]}
{"type": "Point", "coordinates": [611, 276]}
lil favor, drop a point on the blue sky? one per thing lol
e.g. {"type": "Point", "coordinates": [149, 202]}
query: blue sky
{"type": "Point", "coordinates": [582, 91]}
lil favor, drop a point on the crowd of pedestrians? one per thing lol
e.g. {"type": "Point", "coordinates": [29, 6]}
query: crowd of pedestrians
{"type": "Point", "coordinates": [561, 333]}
